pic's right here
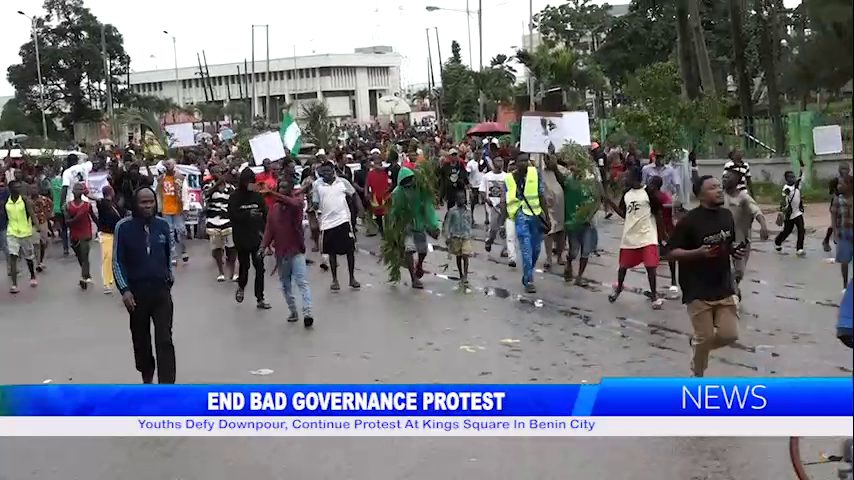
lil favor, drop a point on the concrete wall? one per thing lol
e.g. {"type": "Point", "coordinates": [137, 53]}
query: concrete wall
{"type": "Point", "coordinates": [772, 169]}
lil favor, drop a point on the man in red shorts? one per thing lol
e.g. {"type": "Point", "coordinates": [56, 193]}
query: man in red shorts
{"type": "Point", "coordinates": [642, 212]}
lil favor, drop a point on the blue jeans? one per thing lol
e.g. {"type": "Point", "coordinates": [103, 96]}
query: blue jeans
{"type": "Point", "coordinates": [529, 235]}
{"type": "Point", "coordinates": [176, 226]}
{"type": "Point", "coordinates": [294, 269]}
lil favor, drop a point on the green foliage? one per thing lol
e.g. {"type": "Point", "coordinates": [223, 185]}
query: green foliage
{"type": "Point", "coordinates": [831, 31]}
{"type": "Point", "coordinates": [578, 156]}
{"type": "Point", "coordinates": [15, 119]}
{"type": "Point", "coordinates": [661, 116]}
{"type": "Point", "coordinates": [459, 91]}
{"type": "Point", "coordinates": [641, 37]}
{"type": "Point", "coordinates": [574, 73]}
{"type": "Point", "coordinates": [148, 122]}
{"type": "Point", "coordinates": [572, 22]}
{"type": "Point", "coordinates": [72, 67]}
{"type": "Point", "coordinates": [318, 127]}
{"type": "Point", "coordinates": [401, 214]}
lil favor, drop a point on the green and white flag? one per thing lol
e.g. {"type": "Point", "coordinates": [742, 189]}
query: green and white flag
{"type": "Point", "coordinates": [291, 133]}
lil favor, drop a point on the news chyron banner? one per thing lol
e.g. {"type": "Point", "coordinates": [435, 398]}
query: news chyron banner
{"type": "Point", "coordinates": [615, 407]}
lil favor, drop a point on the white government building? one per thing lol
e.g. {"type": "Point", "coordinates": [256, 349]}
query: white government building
{"type": "Point", "coordinates": [349, 84]}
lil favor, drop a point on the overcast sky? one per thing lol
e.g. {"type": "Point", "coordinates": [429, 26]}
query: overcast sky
{"type": "Point", "coordinates": [313, 26]}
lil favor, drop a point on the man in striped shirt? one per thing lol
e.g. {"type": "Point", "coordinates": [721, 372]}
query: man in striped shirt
{"type": "Point", "coordinates": [217, 223]}
{"type": "Point", "coordinates": [736, 163]}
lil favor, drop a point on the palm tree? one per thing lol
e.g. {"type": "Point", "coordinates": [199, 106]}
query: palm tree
{"type": "Point", "coordinates": [318, 126]}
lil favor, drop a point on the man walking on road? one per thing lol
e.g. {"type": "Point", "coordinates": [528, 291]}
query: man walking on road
{"type": "Point", "coordinates": [524, 201]}
{"type": "Point", "coordinates": [217, 224]}
{"type": "Point", "coordinates": [143, 273]}
{"type": "Point", "coordinates": [18, 212]}
{"type": "Point", "coordinates": [284, 232]}
{"type": "Point", "coordinates": [744, 210]}
{"type": "Point", "coordinates": [329, 195]}
{"type": "Point", "coordinates": [792, 209]}
{"type": "Point", "coordinates": [703, 243]}
{"type": "Point", "coordinates": [174, 200]}
{"type": "Point", "coordinates": [248, 214]}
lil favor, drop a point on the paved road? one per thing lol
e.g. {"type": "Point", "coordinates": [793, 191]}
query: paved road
{"type": "Point", "coordinates": [387, 334]}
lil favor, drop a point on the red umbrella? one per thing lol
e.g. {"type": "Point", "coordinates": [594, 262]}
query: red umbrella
{"type": "Point", "coordinates": [488, 128]}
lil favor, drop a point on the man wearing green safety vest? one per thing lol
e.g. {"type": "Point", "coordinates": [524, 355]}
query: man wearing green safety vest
{"type": "Point", "coordinates": [523, 201]}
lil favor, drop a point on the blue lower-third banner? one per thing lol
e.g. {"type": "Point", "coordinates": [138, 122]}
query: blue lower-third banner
{"type": "Point", "coordinates": [618, 406]}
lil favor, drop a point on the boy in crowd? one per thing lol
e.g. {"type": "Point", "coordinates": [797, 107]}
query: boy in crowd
{"type": "Point", "coordinates": [458, 234]}
{"type": "Point", "coordinates": [639, 244]}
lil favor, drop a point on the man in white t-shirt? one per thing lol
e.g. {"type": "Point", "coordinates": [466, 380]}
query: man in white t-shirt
{"type": "Point", "coordinates": [639, 244]}
{"type": "Point", "coordinates": [74, 173]}
{"type": "Point", "coordinates": [331, 196]}
{"type": "Point", "coordinates": [475, 176]}
{"type": "Point", "coordinates": [492, 190]}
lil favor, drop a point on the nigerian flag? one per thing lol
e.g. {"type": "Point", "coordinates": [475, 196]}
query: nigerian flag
{"type": "Point", "coordinates": [291, 134]}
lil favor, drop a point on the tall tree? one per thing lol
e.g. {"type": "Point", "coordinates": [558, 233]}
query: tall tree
{"type": "Point", "coordinates": [766, 13]}
{"type": "Point", "coordinates": [700, 49]}
{"type": "Point", "coordinates": [71, 63]}
{"type": "Point", "coordinates": [745, 87]}
{"type": "Point", "coordinates": [459, 91]}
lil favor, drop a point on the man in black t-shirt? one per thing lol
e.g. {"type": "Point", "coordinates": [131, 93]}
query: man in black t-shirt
{"type": "Point", "coordinates": [702, 243]}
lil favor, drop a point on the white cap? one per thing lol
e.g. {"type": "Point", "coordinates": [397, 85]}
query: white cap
{"type": "Point", "coordinates": [350, 156]}
{"type": "Point", "coordinates": [454, 151]}
{"type": "Point", "coordinates": [375, 150]}
{"type": "Point", "coordinates": [320, 152]}
{"type": "Point", "coordinates": [495, 141]}
{"type": "Point", "coordinates": [485, 141]}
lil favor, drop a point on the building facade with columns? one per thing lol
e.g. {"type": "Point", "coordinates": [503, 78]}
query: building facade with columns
{"type": "Point", "coordinates": [349, 84]}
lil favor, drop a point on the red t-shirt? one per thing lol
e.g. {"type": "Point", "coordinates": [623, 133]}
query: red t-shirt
{"type": "Point", "coordinates": [269, 182]}
{"type": "Point", "coordinates": [80, 225]}
{"type": "Point", "coordinates": [380, 185]}
{"type": "Point", "coordinates": [666, 213]}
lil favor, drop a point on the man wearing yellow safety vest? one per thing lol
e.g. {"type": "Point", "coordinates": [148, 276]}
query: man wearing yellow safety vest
{"type": "Point", "coordinates": [18, 211]}
{"type": "Point", "coordinates": [523, 202]}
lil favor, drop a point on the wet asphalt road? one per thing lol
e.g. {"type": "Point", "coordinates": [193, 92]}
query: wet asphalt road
{"type": "Point", "coordinates": [392, 334]}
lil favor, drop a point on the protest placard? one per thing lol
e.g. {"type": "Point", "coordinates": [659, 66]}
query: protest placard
{"type": "Point", "coordinates": [180, 135]}
{"type": "Point", "coordinates": [267, 145]}
{"type": "Point", "coordinates": [542, 129]}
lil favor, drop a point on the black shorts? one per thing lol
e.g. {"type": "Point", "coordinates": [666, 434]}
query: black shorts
{"type": "Point", "coordinates": [474, 198]}
{"type": "Point", "coordinates": [338, 240]}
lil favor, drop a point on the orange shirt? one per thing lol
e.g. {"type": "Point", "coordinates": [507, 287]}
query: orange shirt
{"type": "Point", "coordinates": [171, 201]}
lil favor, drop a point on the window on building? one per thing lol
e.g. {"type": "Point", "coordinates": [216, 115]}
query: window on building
{"type": "Point", "coordinates": [301, 73]}
{"type": "Point", "coordinates": [160, 86]}
{"type": "Point", "coordinates": [289, 74]}
{"type": "Point", "coordinates": [325, 72]}
{"type": "Point", "coordinates": [196, 82]}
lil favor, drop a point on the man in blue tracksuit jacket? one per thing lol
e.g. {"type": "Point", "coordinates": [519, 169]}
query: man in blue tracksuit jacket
{"type": "Point", "coordinates": [142, 249]}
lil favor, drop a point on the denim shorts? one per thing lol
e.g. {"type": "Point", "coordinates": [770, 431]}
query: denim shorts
{"type": "Point", "coordinates": [581, 241]}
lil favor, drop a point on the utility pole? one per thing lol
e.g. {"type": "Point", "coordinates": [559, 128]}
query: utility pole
{"type": "Point", "coordinates": [39, 71]}
{"type": "Point", "coordinates": [480, 54]}
{"type": "Point", "coordinates": [107, 81]}
{"type": "Point", "coordinates": [208, 74]}
{"type": "Point", "coordinates": [202, 77]}
{"type": "Point", "coordinates": [252, 107]}
{"type": "Point", "coordinates": [268, 103]}
{"type": "Point", "coordinates": [468, 27]}
{"type": "Point", "coordinates": [239, 82]}
{"type": "Point", "coordinates": [246, 80]}
{"type": "Point", "coordinates": [432, 80]}
{"type": "Point", "coordinates": [441, 78]}
{"type": "Point", "coordinates": [531, 105]}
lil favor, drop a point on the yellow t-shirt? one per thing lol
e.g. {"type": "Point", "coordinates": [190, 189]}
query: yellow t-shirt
{"type": "Point", "coordinates": [20, 225]}
{"type": "Point", "coordinates": [171, 201]}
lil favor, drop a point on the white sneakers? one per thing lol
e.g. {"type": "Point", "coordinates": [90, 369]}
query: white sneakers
{"type": "Point", "coordinates": [220, 278]}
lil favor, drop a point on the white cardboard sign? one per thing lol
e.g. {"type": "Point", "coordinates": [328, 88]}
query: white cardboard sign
{"type": "Point", "coordinates": [539, 130]}
{"type": "Point", "coordinates": [827, 140]}
{"type": "Point", "coordinates": [180, 135]}
{"type": "Point", "coordinates": [267, 145]}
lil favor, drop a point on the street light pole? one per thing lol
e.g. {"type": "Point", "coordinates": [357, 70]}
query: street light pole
{"type": "Point", "coordinates": [38, 71]}
{"type": "Point", "coordinates": [175, 57]}
{"type": "Point", "coordinates": [531, 49]}
{"type": "Point", "coordinates": [253, 106]}
{"type": "Point", "coordinates": [480, 42]}
{"type": "Point", "coordinates": [468, 26]}
{"type": "Point", "coordinates": [480, 54]}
